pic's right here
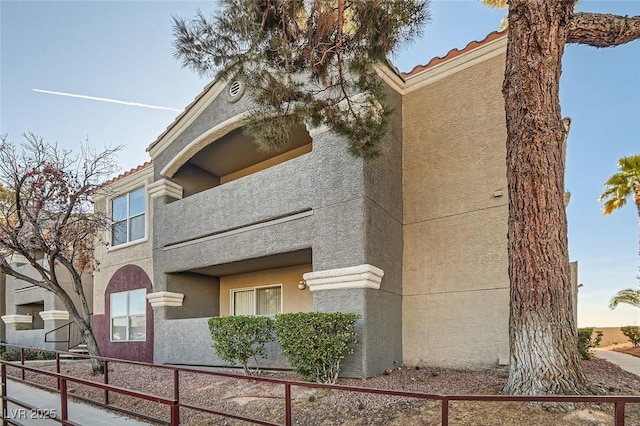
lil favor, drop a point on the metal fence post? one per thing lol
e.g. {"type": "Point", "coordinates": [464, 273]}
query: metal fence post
{"type": "Point", "coordinates": [287, 404]}
{"type": "Point", "coordinates": [64, 412]}
{"type": "Point", "coordinates": [175, 414]}
{"type": "Point", "coordinates": [58, 367]}
{"type": "Point", "coordinates": [176, 392]}
{"type": "Point", "coordinates": [106, 381]}
{"type": "Point", "coordinates": [619, 411]}
{"type": "Point", "coordinates": [3, 373]}
{"type": "Point", "coordinates": [22, 362]}
{"type": "Point", "coordinates": [445, 411]}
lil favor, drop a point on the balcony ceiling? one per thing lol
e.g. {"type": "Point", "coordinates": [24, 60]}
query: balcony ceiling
{"type": "Point", "coordinates": [298, 257]}
{"type": "Point", "coordinates": [235, 151]}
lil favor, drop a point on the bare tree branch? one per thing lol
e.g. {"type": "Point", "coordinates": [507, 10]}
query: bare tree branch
{"type": "Point", "coordinates": [46, 216]}
{"type": "Point", "coordinates": [603, 30]}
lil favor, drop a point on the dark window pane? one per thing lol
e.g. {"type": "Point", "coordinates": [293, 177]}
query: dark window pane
{"type": "Point", "coordinates": [119, 233]}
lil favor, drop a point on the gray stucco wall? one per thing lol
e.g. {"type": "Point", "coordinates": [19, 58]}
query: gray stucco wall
{"type": "Point", "coordinates": [352, 215]}
{"type": "Point", "coordinates": [326, 183]}
{"type": "Point", "coordinates": [18, 292]}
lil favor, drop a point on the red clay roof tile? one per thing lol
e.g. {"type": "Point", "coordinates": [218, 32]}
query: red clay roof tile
{"type": "Point", "coordinates": [454, 53]}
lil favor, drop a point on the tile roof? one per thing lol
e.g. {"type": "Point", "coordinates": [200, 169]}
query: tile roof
{"type": "Point", "coordinates": [453, 53]}
{"type": "Point", "coordinates": [403, 75]}
{"type": "Point", "coordinates": [123, 175]}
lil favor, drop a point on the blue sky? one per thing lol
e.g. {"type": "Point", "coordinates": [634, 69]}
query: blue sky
{"type": "Point", "coordinates": [122, 50]}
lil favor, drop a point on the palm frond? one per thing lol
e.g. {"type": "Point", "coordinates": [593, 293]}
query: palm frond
{"type": "Point", "coordinates": [628, 296]}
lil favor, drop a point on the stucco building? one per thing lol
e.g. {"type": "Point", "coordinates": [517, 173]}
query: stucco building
{"type": "Point", "coordinates": [33, 316]}
{"type": "Point", "coordinates": [414, 241]}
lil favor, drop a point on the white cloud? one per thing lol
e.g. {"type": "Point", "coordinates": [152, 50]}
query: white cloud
{"type": "Point", "coordinates": [114, 101]}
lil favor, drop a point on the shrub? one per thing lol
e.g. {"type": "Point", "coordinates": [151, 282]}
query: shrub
{"type": "Point", "coordinates": [315, 343]}
{"type": "Point", "coordinates": [236, 339]}
{"type": "Point", "coordinates": [13, 354]}
{"type": "Point", "coordinates": [632, 333]}
{"type": "Point", "coordinates": [586, 342]}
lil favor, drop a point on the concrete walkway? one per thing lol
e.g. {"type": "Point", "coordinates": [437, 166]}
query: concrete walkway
{"type": "Point", "coordinates": [79, 413]}
{"type": "Point", "coordinates": [624, 361]}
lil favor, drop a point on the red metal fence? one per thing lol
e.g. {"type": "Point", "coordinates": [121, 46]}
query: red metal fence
{"type": "Point", "coordinates": [175, 403]}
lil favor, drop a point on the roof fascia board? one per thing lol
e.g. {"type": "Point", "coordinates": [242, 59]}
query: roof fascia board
{"type": "Point", "coordinates": [391, 78]}
{"type": "Point", "coordinates": [191, 113]}
{"type": "Point", "coordinates": [459, 63]}
{"type": "Point", "coordinates": [125, 184]}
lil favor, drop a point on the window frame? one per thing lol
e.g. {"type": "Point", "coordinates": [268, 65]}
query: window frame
{"type": "Point", "coordinates": [232, 307]}
{"type": "Point", "coordinates": [127, 316]}
{"type": "Point", "coordinates": [128, 218]}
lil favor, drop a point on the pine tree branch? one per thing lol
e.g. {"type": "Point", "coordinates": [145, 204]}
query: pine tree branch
{"type": "Point", "coordinates": [603, 30]}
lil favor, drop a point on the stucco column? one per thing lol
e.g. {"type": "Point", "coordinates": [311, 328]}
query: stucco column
{"type": "Point", "coordinates": [52, 320]}
{"type": "Point", "coordinates": [354, 289]}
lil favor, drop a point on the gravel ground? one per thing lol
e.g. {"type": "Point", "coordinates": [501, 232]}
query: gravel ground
{"type": "Point", "coordinates": [265, 401]}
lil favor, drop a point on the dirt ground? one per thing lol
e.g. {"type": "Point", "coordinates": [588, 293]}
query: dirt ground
{"type": "Point", "coordinates": [330, 407]}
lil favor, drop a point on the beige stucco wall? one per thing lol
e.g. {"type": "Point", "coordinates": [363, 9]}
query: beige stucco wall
{"type": "Point", "coordinates": [110, 259]}
{"type": "Point", "coordinates": [455, 282]}
{"type": "Point", "coordinates": [293, 299]}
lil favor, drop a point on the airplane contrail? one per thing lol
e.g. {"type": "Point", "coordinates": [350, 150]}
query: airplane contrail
{"type": "Point", "coordinates": [113, 101]}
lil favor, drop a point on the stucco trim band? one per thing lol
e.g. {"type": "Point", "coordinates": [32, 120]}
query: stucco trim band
{"type": "Point", "coordinates": [17, 319]}
{"type": "Point", "coordinates": [164, 187]}
{"type": "Point", "coordinates": [202, 141]}
{"type": "Point", "coordinates": [361, 276]}
{"type": "Point", "coordinates": [165, 298]}
{"type": "Point", "coordinates": [17, 258]}
{"type": "Point", "coordinates": [54, 315]}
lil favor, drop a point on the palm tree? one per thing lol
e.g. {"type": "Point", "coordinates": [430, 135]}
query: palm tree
{"type": "Point", "coordinates": [618, 188]}
{"type": "Point", "coordinates": [622, 185]}
{"type": "Point", "coordinates": [628, 296]}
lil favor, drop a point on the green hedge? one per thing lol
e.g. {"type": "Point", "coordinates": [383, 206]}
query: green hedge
{"type": "Point", "coordinates": [586, 342]}
{"type": "Point", "coordinates": [633, 334]}
{"type": "Point", "coordinates": [237, 339]}
{"type": "Point", "coordinates": [13, 354]}
{"type": "Point", "coordinates": [315, 343]}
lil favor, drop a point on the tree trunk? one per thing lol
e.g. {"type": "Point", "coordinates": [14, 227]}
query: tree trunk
{"type": "Point", "coordinates": [84, 325]}
{"type": "Point", "coordinates": [542, 331]}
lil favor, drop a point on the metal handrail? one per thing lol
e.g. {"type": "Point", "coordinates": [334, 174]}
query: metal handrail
{"type": "Point", "coordinates": [74, 337]}
{"type": "Point", "coordinates": [618, 401]}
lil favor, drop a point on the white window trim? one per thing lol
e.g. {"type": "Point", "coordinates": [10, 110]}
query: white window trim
{"type": "Point", "coordinates": [109, 209]}
{"type": "Point", "coordinates": [232, 308]}
{"type": "Point", "coordinates": [111, 317]}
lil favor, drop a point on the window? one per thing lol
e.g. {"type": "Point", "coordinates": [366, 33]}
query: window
{"type": "Point", "coordinates": [257, 301]}
{"type": "Point", "coordinates": [128, 315]}
{"type": "Point", "coordinates": [127, 215]}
